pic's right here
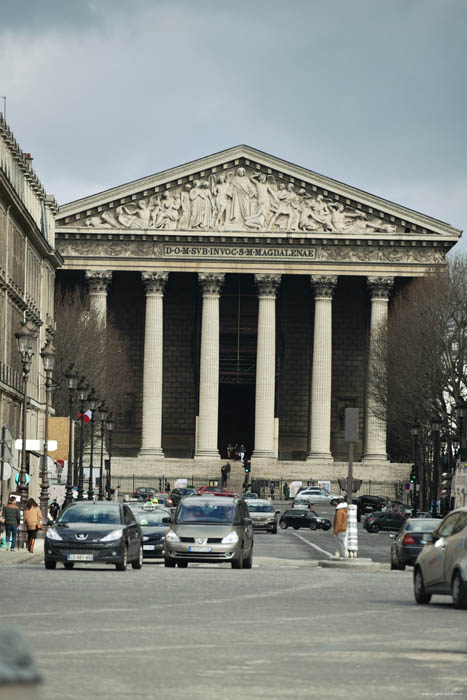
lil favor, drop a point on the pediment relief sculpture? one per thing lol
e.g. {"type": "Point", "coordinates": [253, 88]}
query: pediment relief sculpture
{"type": "Point", "coordinates": [239, 199]}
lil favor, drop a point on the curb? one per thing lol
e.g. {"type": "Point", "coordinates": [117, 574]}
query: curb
{"type": "Point", "coordinates": [354, 565]}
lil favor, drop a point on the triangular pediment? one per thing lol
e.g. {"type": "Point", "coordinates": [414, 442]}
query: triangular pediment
{"type": "Point", "coordinates": [243, 189]}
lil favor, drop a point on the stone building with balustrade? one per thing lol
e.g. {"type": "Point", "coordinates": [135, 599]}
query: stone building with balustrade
{"type": "Point", "coordinates": [250, 290]}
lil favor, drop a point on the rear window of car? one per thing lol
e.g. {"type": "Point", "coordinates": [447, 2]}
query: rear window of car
{"type": "Point", "coordinates": [151, 518]}
{"type": "Point", "coordinates": [260, 508]}
{"type": "Point", "coordinates": [91, 513]}
{"type": "Point", "coordinates": [425, 525]}
{"type": "Point", "coordinates": [190, 512]}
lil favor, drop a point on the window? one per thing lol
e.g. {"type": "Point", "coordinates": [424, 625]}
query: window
{"type": "Point", "coordinates": [448, 526]}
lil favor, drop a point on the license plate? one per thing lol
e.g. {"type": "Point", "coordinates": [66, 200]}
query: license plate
{"type": "Point", "coordinates": [80, 557]}
{"type": "Point", "coordinates": [149, 546]}
{"type": "Point", "coordinates": [200, 549]}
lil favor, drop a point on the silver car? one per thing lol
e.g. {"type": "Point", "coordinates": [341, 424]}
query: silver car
{"type": "Point", "coordinates": [441, 566]}
{"type": "Point", "coordinates": [212, 529]}
{"type": "Point", "coordinates": [263, 516]}
{"type": "Point", "coordinates": [317, 496]}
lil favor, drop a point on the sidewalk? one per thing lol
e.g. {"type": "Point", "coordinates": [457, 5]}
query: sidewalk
{"type": "Point", "coordinates": [22, 556]}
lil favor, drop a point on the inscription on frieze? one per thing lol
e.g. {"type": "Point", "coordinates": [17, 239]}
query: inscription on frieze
{"type": "Point", "coordinates": [240, 252]}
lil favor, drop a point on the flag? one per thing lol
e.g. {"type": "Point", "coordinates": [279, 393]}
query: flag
{"type": "Point", "coordinates": [87, 415]}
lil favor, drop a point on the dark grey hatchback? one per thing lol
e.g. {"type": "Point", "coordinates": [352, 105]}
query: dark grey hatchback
{"type": "Point", "coordinates": [94, 533]}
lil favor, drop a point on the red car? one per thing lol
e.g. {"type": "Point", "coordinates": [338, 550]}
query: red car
{"type": "Point", "coordinates": [216, 491]}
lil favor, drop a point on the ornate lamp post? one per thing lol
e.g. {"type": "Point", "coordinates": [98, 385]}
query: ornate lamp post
{"type": "Point", "coordinates": [435, 428]}
{"type": "Point", "coordinates": [83, 390]}
{"type": "Point", "coordinates": [48, 358]}
{"type": "Point", "coordinates": [461, 412]}
{"type": "Point", "coordinates": [71, 377]}
{"type": "Point", "coordinates": [416, 487]}
{"type": "Point", "coordinates": [103, 411]}
{"type": "Point", "coordinates": [92, 402]}
{"type": "Point", "coordinates": [26, 338]}
{"type": "Point", "coordinates": [109, 424]}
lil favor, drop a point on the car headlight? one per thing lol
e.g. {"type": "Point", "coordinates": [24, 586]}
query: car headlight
{"type": "Point", "coordinates": [172, 536]}
{"type": "Point", "coordinates": [53, 535]}
{"type": "Point", "coordinates": [114, 535]}
{"type": "Point", "coordinates": [231, 538]}
{"type": "Point", "coordinates": [145, 538]}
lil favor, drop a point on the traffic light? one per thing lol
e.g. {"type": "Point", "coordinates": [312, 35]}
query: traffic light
{"type": "Point", "coordinates": [446, 486]}
{"type": "Point", "coordinates": [413, 474]}
{"type": "Point", "coordinates": [247, 466]}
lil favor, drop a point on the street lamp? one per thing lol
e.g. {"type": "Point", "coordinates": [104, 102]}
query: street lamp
{"type": "Point", "coordinates": [71, 377]}
{"type": "Point", "coordinates": [435, 429]}
{"type": "Point", "coordinates": [48, 359]}
{"type": "Point", "coordinates": [461, 412]}
{"type": "Point", "coordinates": [92, 402]}
{"type": "Point", "coordinates": [103, 411]}
{"type": "Point", "coordinates": [83, 390]}
{"type": "Point", "coordinates": [26, 338]}
{"type": "Point", "coordinates": [416, 486]}
{"type": "Point", "coordinates": [109, 424]}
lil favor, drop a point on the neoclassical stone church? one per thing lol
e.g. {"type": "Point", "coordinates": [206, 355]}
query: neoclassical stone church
{"type": "Point", "coordinates": [250, 290]}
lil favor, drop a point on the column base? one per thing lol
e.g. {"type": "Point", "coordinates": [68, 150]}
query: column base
{"type": "Point", "coordinates": [207, 454]}
{"type": "Point", "coordinates": [156, 452]}
{"type": "Point", "coordinates": [380, 458]}
{"type": "Point", "coordinates": [320, 457]}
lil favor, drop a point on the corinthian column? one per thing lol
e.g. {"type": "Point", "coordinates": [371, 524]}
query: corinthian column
{"type": "Point", "coordinates": [265, 367]}
{"type": "Point", "coordinates": [98, 282]}
{"type": "Point", "coordinates": [375, 425]}
{"type": "Point", "coordinates": [211, 284]}
{"type": "Point", "coordinates": [321, 374]}
{"type": "Point", "coordinates": [153, 363]}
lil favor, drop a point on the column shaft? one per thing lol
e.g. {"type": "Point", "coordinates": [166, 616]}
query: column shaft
{"type": "Point", "coordinates": [209, 368]}
{"type": "Point", "coordinates": [153, 363]}
{"type": "Point", "coordinates": [98, 282]}
{"type": "Point", "coordinates": [265, 367]}
{"type": "Point", "coordinates": [321, 375]}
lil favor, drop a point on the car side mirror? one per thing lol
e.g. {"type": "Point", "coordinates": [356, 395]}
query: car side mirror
{"type": "Point", "coordinates": [392, 535]}
{"type": "Point", "coordinates": [277, 512]}
{"type": "Point", "coordinates": [167, 520]}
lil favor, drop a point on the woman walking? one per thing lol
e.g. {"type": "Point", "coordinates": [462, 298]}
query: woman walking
{"type": "Point", "coordinates": [32, 520]}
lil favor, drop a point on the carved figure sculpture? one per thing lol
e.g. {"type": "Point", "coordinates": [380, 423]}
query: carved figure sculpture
{"type": "Point", "coordinates": [242, 193]}
{"type": "Point", "coordinates": [220, 189]}
{"type": "Point", "coordinates": [185, 204]}
{"type": "Point", "coordinates": [263, 192]}
{"type": "Point", "coordinates": [197, 201]}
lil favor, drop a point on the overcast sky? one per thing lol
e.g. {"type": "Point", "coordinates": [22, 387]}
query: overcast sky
{"type": "Point", "coordinates": [369, 92]}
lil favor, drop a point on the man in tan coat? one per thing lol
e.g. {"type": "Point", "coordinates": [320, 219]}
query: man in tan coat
{"type": "Point", "coordinates": [340, 527]}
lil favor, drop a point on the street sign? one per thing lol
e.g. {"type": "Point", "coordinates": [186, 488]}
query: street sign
{"type": "Point", "coordinates": [351, 425]}
{"type": "Point", "coordinates": [407, 486]}
{"type": "Point", "coordinates": [7, 453]}
{"type": "Point", "coordinates": [36, 445]}
{"type": "Point", "coordinates": [7, 437]}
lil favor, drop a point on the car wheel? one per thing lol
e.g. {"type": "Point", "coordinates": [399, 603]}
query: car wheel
{"type": "Point", "coordinates": [374, 528]}
{"type": "Point", "coordinates": [400, 565]}
{"type": "Point", "coordinates": [182, 564]}
{"type": "Point", "coordinates": [333, 502]}
{"type": "Point", "coordinates": [313, 526]}
{"type": "Point", "coordinates": [237, 563]}
{"type": "Point", "coordinates": [283, 525]}
{"type": "Point", "coordinates": [138, 563]}
{"type": "Point", "coordinates": [248, 562]}
{"type": "Point", "coordinates": [420, 594]}
{"type": "Point", "coordinates": [168, 562]}
{"type": "Point", "coordinates": [459, 592]}
{"type": "Point", "coordinates": [327, 525]}
{"type": "Point", "coordinates": [68, 564]}
{"type": "Point", "coordinates": [122, 564]}
{"type": "Point", "coordinates": [49, 564]}
{"type": "Point", "coordinates": [296, 527]}
{"type": "Point", "coordinates": [274, 530]}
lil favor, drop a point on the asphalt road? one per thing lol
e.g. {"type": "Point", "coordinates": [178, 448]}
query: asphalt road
{"type": "Point", "coordinates": [285, 629]}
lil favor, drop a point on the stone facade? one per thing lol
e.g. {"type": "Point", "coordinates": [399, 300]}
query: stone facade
{"type": "Point", "coordinates": [275, 281]}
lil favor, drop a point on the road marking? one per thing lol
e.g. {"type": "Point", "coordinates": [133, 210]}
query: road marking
{"type": "Point", "coordinates": [320, 549]}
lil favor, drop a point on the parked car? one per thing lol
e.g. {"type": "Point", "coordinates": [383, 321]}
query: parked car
{"type": "Point", "coordinates": [262, 514]}
{"type": "Point", "coordinates": [318, 496]}
{"type": "Point", "coordinates": [179, 494]}
{"type": "Point", "coordinates": [94, 532]}
{"type": "Point", "coordinates": [249, 495]}
{"type": "Point", "coordinates": [301, 503]}
{"type": "Point", "coordinates": [210, 528]}
{"type": "Point", "coordinates": [409, 541]}
{"type": "Point", "coordinates": [216, 491]}
{"type": "Point", "coordinates": [441, 566]}
{"type": "Point", "coordinates": [144, 493]}
{"type": "Point", "coordinates": [303, 518]}
{"type": "Point", "coordinates": [398, 507]}
{"type": "Point", "coordinates": [154, 523]}
{"type": "Point", "coordinates": [368, 504]}
{"type": "Point", "coordinates": [389, 520]}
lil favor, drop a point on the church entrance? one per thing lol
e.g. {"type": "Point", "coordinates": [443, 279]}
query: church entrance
{"type": "Point", "coordinates": [237, 363]}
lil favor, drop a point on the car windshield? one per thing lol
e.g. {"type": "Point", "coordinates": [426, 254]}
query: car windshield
{"type": "Point", "coordinates": [151, 517]}
{"type": "Point", "coordinates": [425, 525]}
{"type": "Point", "coordinates": [91, 513]}
{"type": "Point", "coordinates": [205, 513]}
{"type": "Point", "coordinates": [260, 508]}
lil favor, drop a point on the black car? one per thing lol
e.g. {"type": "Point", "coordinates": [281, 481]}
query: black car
{"type": "Point", "coordinates": [98, 533]}
{"type": "Point", "coordinates": [179, 494]}
{"type": "Point", "coordinates": [303, 518]}
{"type": "Point", "coordinates": [368, 504]}
{"type": "Point", "coordinates": [144, 493]}
{"type": "Point", "coordinates": [154, 523]}
{"type": "Point", "coordinates": [410, 540]}
{"type": "Point", "coordinates": [387, 520]}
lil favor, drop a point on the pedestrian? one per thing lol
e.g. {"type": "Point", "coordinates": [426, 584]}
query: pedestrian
{"type": "Point", "coordinates": [167, 486]}
{"type": "Point", "coordinates": [54, 509]}
{"type": "Point", "coordinates": [340, 527]}
{"type": "Point", "coordinates": [242, 452]}
{"type": "Point", "coordinates": [229, 450]}
{"type": "Point", "coordinates": [12, 519]}
{"type": "Point", "coordinates": [32, 520]}
{"type": "Point", "coordinates": [271, 490]}
{"type": "Point", "coordinates": [223, 476]}
{"type": "Point", "coordinates": [286, 491]}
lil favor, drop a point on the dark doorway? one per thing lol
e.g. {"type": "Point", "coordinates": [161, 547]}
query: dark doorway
{"type": "Point", "coordinates": [236, 416]}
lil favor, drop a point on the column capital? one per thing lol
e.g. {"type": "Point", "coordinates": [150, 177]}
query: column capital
{"type": "Point", "coordinates": [98, 280]}
{"type": "Point", "coordinates": [380, 287]}
{"type": "Point", "coordinates": [323, 285]}
{"type": "Point", "coordinates": [267, 284]}
{"type": "Point", "coordinates": [211, 283]}
{"type": "Point", "coordinates": [154, 282]}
